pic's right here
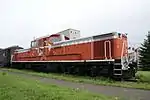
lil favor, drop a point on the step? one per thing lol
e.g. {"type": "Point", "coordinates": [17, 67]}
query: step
{"type": "Point", "coordinates": [117, 69]}
{"type": "Point", "coordinates": [117, 63]}
{"type": "Point", "coordinates": [118, 66]}
{"type": "Point", "coordinates": [118, 74]}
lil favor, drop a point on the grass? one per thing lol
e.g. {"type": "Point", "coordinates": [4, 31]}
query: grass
{"type": "Point", "coordinates": [143, 77]}
{"type": "Point", "coordinates": [14, 87]}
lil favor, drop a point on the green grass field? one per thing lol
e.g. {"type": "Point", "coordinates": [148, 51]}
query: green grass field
{"type": "Point", "coordinates": [143, 83]}
{"type": "Point", "coordinates": [143, 76]}
{"type": "Point", "coordinates": [14, 87]}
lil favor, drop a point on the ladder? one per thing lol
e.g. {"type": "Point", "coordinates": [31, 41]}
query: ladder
{"type": "Point", "coordinates": [117, 70]}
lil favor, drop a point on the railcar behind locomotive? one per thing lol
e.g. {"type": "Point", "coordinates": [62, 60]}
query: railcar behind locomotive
{"type": "Point", "coordinates": [5, 55]}
{"type": "Point", "coordinates": [67, 52]}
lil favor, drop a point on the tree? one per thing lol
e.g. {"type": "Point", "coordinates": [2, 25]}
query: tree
{"type": "Point", "coordinates": [145, 53]}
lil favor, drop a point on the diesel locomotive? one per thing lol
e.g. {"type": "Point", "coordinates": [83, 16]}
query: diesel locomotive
{"type": "Point", "coordinates": [68, 52]}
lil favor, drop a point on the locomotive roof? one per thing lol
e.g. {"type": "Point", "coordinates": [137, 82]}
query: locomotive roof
{"type": "Point", "coordinates": [95, 36]}
{"type": "Point", "coordinates": [81, 38]}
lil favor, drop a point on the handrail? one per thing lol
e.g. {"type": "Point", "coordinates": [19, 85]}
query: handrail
{"type": "Point", "coordinates": [105, 49]}
{"type": "Point", "coordinates": [122, 51]}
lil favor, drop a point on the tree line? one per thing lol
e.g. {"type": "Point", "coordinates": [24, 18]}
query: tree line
{"type": "Point", "coordinates": [144, 51]}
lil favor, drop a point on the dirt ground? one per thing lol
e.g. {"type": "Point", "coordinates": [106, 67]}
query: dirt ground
{"type": "Point", "coordinates": [126, 93]}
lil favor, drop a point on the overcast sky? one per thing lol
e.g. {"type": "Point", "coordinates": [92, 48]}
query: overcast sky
{"type": "Point", "coordinates": [21, 20]}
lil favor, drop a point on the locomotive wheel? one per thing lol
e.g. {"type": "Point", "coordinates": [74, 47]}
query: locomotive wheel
{"type": "Point", "coordinates": [76, 70]}
{"type": "Point", "coordinates": [61, 68]}
{"type": "Point", "coordinates": [93, 71]}
{"type": "Point", "coordinates": [79, 70]}
{"type": "Point", "coordinates": [72, 70]}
